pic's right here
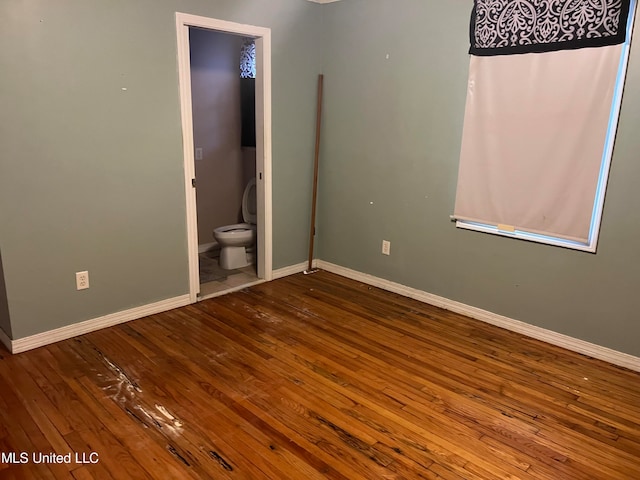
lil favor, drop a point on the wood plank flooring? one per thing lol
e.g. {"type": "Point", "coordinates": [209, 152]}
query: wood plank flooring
{"type": "Point", "coordinates": [314, 377]}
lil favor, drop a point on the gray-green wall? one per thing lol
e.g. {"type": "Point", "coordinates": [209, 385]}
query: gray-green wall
{"type": "Point", "coordinates": [391, 141]}
{"type": "Point", "coordinates": [91, 174]}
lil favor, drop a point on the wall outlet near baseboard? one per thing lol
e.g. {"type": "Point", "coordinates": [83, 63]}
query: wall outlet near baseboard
{"type": "Point", "coordinates": [82, 280]}
{"type": "Point", "coordinates": [386, 247]}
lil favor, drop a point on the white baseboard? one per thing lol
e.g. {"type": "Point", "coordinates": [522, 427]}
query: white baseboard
{"type": "Point", "coordinates": [549, 336]}
{"type": "Point", "coordinates": [5, 340]}
{"type": "Point", "coordinates": [63, 333]}
{"type": "Point", "coordinates": [205, 247]}
{"type": "Point", "coordinates": [293, 269]}
{"type": "Point", "coordinates": [69, 331]}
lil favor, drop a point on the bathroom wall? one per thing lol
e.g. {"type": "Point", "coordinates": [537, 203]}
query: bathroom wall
{"type": "Point", "coordinates": [92, 176]}
{"type": "Point", "coordinates": [395, 83]}
{"type": "Point", "coordinates": [215, 90]}
{"type": "Point", "coordinates": [5, 323]}
{"type": "Point", "coordinates": [248, 164]}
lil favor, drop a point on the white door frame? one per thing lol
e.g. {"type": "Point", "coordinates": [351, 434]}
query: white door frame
{"type": "Point", "coordinates": [263, 138]}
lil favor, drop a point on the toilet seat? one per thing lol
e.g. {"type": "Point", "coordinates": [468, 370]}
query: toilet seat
{"type": "Point", "coordinates": [238, 227]}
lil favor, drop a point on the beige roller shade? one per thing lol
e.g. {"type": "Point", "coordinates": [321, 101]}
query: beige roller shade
{"type": "Point", "coordinates": [533, 139]}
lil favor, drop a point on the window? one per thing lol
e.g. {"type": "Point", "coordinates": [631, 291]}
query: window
{"type": "Point", "coordinates": [544, 93]}
{"type": "Point", "coordinates": [248, 58]}
{"type": "Point", "coordinates": [248, 92]}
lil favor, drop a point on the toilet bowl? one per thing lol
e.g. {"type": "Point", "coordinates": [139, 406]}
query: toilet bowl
{"type": "Point", "coordinates": [236, 241]}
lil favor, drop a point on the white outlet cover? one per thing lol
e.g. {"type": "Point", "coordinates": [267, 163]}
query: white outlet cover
{"type": "Point", "coordinates": [82, 280]}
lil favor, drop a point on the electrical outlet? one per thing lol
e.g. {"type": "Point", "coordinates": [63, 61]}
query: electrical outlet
{"type": "Point", "coordinates": [199, 153]}
{"type": "Point", "coordinates": [386, 247]}
{"type": "Point", "coordinates": [82, 280]}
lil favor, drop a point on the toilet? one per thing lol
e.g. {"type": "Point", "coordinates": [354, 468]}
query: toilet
{"type": "Point", "coordinates": [236, 241]}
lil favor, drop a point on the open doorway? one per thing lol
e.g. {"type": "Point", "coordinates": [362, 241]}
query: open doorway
{"type": "Point", "coordinates": [262, 40]}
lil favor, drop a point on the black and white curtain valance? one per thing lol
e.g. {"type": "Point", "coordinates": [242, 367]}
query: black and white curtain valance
{"type": "Point", "coordinates": [503, 27]}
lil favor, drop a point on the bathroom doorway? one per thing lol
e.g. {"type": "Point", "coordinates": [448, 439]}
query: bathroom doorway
{"type": "Point", "coordinates": [218, 154]}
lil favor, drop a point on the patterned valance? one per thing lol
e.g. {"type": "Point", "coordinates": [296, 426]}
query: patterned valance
{"type": "Point", "coordinates": [503, 27]}
{"type": "Point", "coordinates": [248, 59]}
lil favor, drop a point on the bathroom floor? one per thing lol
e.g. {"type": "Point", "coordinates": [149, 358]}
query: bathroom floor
{"type": "Point", "coordinates": [215, 280]}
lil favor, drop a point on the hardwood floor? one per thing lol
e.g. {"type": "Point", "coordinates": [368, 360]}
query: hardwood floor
{"type": "Point", "coordinates": [313, 377]}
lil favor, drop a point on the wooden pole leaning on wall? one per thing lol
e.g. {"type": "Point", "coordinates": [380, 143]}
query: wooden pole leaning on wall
{"type": "Point", "coordinates": [312, 230]}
